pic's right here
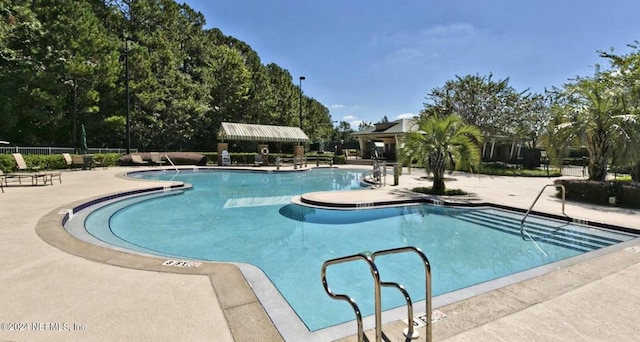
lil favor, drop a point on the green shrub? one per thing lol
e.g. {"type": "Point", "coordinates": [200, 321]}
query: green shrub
{"type": "Point", "coordinates": [212, 157]}
{"type": "Point", "coordinates": [7, 164]}
{"type": "Point", "coordinates": [633, 170]}
{"type": "Point", "coordinates": [341, 159]}
{"type": "Point", "coordinates": [44, 162]}
{"type": "Point", "coordinates": [627, 194]}
{"type": "Point", "coordinates": [106, 159]}
{"type": "Point", "coordinates": [52, 162]}
{"type": "Point", "coordinates": [624, 178]}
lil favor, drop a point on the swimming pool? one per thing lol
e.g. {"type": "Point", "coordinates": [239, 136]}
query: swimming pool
{"type": "Point", "coordinates": [247, 217]}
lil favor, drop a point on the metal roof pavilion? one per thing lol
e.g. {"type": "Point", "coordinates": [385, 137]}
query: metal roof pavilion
{"type": "Point", "coordinates": [262, 133]}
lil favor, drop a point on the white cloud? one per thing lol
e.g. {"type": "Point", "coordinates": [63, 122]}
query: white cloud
{"type": "Point", "coordinates": [406, 116]}
{"type": "Point", "coordinates": [454, 29]}
{"type": "Point", "coordinates": [349, 117]}
{"type": "Point", "coordinates": [429, 44]}
{"type": "Point", "coordinates": [407, 55]}
{"type": "Point", "coordinates": [429, 34]}
{"type": "Point", "coordinates": [355, 124]}
{"type": "Point", "coordinates": [337, 106]}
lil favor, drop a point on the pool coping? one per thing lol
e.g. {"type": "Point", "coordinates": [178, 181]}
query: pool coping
{"type": "Point", "coordinates": [239, 301]}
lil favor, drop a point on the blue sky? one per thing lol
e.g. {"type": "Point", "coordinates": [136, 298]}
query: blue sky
{"type": "Point", "coordinates": [369, 59]}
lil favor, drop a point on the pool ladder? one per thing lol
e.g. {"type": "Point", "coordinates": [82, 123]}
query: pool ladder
{"type": "Point", "coordinates": [369, 258]}
{"type": "Point", "coordinates": [172, 164]}
{"type": "Point", "coordinates": [564, 191]}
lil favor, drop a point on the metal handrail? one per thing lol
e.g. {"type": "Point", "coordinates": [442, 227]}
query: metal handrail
{"type": "Point", "coordinates": [371, 175]}
{"type": "Point", "coordinates": [409, 332]}
{"type": "Point", "coordinates": [356, 309]}
{"type": "Point", "coordinates": [378, 175]}
{"type": "Point", "coordinates": [172, 164]}
{"type": "Point", "coordinates": [540, 194]}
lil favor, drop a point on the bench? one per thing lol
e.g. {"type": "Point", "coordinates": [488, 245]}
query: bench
{"type": "Point", "coordinates": [297, 161]}
{"type": "Point", "coordinates": [328, 160]}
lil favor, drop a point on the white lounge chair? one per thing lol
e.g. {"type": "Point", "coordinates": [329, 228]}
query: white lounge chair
{"type": "Point", "coordinates": [137, 160]}
{"type": "Point", "coordinates": [23, 172]}
{"type": "Point", "coordinates": [156, 158]}
{"type": "Point", "coordinates": [226, 159]}
{"type": "Point", "coordinates": [75, 161]}
{"type": "Point", "coordinates": [258, 160]}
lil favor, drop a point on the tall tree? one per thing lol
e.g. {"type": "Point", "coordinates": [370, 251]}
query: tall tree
{"type": "Point", "coordinates": [496, 108]}
{"type": "Point", "coordinates": [344, 130]}
{"type": "Point", "coordinates": [75, 62]}
{"type": "Point", "coordinates": [63, 62]}
{"type": "Point", "coordinates": [20, 32]}
{"type": "Point", "coordinates": [557, 144]}
{"type": "Point", "coordinates": [625, 79]}
{"type": "Point", "coordinates": [364, 125]}
{"type": "Point", "coordinates": [284, 108]}
{"type": "Point", "coordinates": [317, 120]}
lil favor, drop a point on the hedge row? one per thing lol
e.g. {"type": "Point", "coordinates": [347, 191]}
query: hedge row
{"type": "Point", "coordinates": [52, 162]}
{"type": "Point", "coordinates": [57, 162]}
{"type": "Point", "coordinates": [177, 158]}
{"type": "Point", "coordinates": [627, 194]}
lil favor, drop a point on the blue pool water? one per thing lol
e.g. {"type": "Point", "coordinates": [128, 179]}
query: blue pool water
{"type": "Point", "coordinates": [247, 217]}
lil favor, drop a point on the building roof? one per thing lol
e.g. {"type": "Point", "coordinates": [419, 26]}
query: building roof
{"type": "Point", "coordinates": [261, 133]}
{"type": "Point", "coordinates": [401, 126]}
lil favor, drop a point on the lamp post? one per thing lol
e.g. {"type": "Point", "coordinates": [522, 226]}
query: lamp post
{"type": "Point", "coordinates": [126, 87]}
{"type": "Point", "coordinates": [302, 78]}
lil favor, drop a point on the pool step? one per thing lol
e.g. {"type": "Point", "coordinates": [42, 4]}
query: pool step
{"type": "Point", "coordinates": [553, 230]}
{"type": "Point", "coordinates": [559, 236]}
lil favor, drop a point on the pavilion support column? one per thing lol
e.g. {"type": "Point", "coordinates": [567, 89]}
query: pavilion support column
{"type": "Point", "coordinates": [513, 145]}
{"type": "Point", "coordinates": [399, 157]}
{"type": "Point", "coordinates": [298, 151]}
{"type": "Point", "coordinates": [298, 154]}
{"type": "Point", "coordinates": [222, 147]}
{"type": "Point", "coordinates": [363, 145]}
{"type": "Point", "coordinates": [493, 145]}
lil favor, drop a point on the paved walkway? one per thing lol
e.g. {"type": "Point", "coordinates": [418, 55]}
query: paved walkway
{"type": "Point", "coordinates": [596, 300]}
{"type": "Point", "coordinates": [51, 295]}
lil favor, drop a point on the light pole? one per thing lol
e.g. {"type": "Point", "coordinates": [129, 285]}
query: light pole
{"type": "Point", "coordinates": [302, 78]}
{"type": "Point", "coordinates": [126, 87]}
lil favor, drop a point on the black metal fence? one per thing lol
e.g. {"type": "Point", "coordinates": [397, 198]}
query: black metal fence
{"type": "Point", "coordinates": [575, 171]}
{"type": "Point", "coordinates": [58, 150]}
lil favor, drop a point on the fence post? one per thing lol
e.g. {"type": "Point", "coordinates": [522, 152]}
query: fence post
{"type": "Point", "coordinates": [396, 174]}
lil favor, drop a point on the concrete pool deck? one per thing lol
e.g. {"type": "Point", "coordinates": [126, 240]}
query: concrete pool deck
{"type": "Point", "coordinates": [51, 294]}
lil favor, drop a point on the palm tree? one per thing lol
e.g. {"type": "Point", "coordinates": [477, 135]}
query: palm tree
{"type": "Point", "coordinates": [442, 143]}
{"type": "Point", "coordinates": [600, 123]}
{"type": "Point", "coordinates": [557, 143]}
